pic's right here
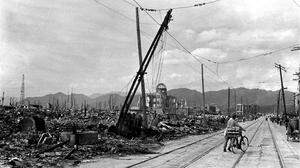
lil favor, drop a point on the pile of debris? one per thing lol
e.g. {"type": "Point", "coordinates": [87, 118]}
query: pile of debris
{"type": "Point", "coordinates": [25, 141]}
{"type": "Point", "coordinates": [172, 129]}
{"type": "Point", "coordinates": [37, 138]}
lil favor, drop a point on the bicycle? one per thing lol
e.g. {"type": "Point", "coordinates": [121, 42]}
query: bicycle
{"type": "Point", "coordinates": [234, 136]}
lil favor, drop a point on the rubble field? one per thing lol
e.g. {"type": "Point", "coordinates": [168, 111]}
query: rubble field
{"type": "Point", "coordinates": [41, 138]}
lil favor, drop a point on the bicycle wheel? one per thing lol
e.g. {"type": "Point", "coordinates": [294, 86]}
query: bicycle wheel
{"type": "Point", "coordinates": [233, 144]}
{"type": "Point", "coordinates": [244, 143]}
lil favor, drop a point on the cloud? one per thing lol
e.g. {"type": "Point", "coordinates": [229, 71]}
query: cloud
{"type": "Point", "coordinates": [175, 75]}
{"type": "Point", "coordinates": [61, 43]}
{"type": "Point", "coordinates": [210, 53]}
{"type": "Point", "coordinates": [208, 35]}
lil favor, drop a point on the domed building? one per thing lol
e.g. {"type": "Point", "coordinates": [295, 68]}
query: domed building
{"type": "Point", "coordinates": [161, 102]}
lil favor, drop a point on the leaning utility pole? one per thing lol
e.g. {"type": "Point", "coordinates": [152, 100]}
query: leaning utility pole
{"type": "Point", "coordinates": [282, 88]}
{"type": "Point", "coordinates": [121, 124]}
{"type": "Point", "coordinates": [143, 100]}
{"type": "Point", "coordinates": [228, 105]}
{"type": "Point", "coordinates": [203, 93]}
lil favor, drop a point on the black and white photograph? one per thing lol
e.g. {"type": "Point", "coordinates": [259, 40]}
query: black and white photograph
{"type": "Point", "coordinates": [149, 83]}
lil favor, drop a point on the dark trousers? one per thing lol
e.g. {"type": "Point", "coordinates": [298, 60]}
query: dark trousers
{"type": "Point", "coordinates": [226, 141]}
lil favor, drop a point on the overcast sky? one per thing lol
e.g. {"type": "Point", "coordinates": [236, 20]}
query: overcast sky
{"type": "Point", "coordinates": [79, 44]}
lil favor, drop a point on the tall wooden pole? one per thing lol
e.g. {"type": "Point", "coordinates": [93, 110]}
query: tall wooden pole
{"type": "Point", "coordinates": [282, 88]}
{"type": "Point", "coordinates": [143, 100]}
{"type": "Point", "coordinates": [294, 103]}
{"type": "Point", "coordinates": [142, 69]}
{"type": "Point", "coordinates": [228, 105]}
{"type": "Point", "coordinates": [203, 92]}
{"type": "Point", "coordinates": [3, 99]}
{"type": "Point", "coordinates": [278, 104]}
{"type": "Point", "coordinates": [235, 99]}
{"type": "Point", "coordinates": [297, 94]}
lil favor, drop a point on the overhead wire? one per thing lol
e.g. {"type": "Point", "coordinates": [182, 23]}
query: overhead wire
{"type": "Point", "coordinates": [259, 55]}
{"type": "Point", "coordinates": [160, 60]}
{"type": "Point", "coordinates": [127, 85]}
{"type": "Point", "coordinates": [183, 46]}
{"type": "Point", "coordinates": [197, 59]}
{"type": "Point", "coordinates": [296, 3]}
{"type": "Point", "coordinates": [119, 13]}
{"type": "Point", "coordinates": [209, 60]}
{"type": "Point", "coordinates": [179, 7]}
{"type": "Point", "coordinates": [195, 56]}
{"type": "Point", "coordinates": [131, 4]}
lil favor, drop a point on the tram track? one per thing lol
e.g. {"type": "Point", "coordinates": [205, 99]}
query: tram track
{"type": "Point", "coordinates": [188, 145]}
{"type": "Point", "coordinates": [243, 153]}
{"type": "Point", "coordinates": [279, 155]}
{"type": "Point", "coordinates": [212, 148]}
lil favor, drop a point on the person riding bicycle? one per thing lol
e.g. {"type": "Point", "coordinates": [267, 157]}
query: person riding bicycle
{"type": "Point", "coordinates": [231, 124]}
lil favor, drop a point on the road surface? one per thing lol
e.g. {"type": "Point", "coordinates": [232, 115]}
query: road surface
{"type": "Point", "coordinates": [268, 148]}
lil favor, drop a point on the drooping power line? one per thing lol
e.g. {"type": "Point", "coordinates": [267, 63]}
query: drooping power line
{"type": "Point", "coordinates": [119, 13]}
{"type": "Point", "coordinates": [179, 7]}
{"type": "Point", "coordinates": [296, 3]}
{"type": "Point", "coordinates": [259, 55]}
{"type": "Point", "coordinates": [185, 49]}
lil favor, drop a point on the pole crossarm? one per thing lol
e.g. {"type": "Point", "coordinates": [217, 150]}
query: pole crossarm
{"type": "Point", "coordinates": [280, 67]}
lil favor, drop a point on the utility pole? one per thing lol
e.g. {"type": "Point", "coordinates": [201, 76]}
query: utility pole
{"type": "Point", "coordinates": [242, 106]}
{"type": "Point", "coordinates": [203, 93]}
{"type": "Point", "coordinates": [122, 126]}
{"type": "Point", "coordinates": [228, 105]}
{"type": "Point", "coordinates": [281, 68]}
{"type": "Point", "coordinates": [278, 104]}
{"type": "Point", "coordinates": [2, 99]}
{"type": "Point", "coordinates": [143, 100]}
{"type": "Point", "coordinates": [297, 96]}
{"type": "Point", "coordinates": [22, 96]}
{"type": "Point", "coordinates": [235, 99]}
{"type": "Point", "coordinates": [294, 103]}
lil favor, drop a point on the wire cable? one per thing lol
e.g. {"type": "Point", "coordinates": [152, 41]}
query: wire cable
{"type": "Point", "coordinates": [296, 3]}
{"type": "Point", "coordinates": [259, 55]}
{"type": "Point", "coordinates": [119, 13]}
{"type": "Point", "coordinates": [197, 59]}
{"type": "Point", "coordinates": [131, 4]}
{"type": "Point", "coordinates": [190, 51]}
{"type": "Point", "coordinates": [179, 7]}
{"type": "Point", "coordinates": [184, 47]}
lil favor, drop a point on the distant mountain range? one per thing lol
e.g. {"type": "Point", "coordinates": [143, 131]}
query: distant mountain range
{"type": "Point", "coordinates": [220, 97]}
{"type": "Point", "coordinates": [193, 97]}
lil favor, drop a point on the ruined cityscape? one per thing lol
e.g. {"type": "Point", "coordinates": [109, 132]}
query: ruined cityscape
{"type": "Point", "coordinates": [134, 83]}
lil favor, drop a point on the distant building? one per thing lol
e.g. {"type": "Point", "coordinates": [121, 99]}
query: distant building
{"type": "Point", "coordinates": [163, 103]}
{"type": "Point", "coordinates": [247, 110]}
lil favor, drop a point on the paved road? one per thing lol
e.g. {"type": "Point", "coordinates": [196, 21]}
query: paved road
{"type": "Point", "coordinates": [207, 151]}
